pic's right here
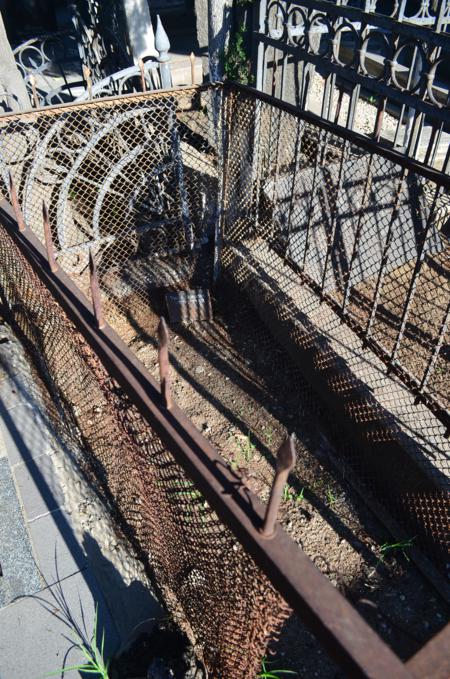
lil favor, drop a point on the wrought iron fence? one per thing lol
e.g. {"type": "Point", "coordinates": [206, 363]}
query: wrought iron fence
{"type": "Point", "coordinates": [379, 68]}
{"type": "Point", "coordinates": [321, 226]}
{"type": "Point", "coordinates": [367, 229]}
{"type": "Point", "coordinates": [92, 60]}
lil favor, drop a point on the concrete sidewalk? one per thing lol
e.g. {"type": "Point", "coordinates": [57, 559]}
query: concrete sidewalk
{"type": "Point", "coordinates": [48, 584]}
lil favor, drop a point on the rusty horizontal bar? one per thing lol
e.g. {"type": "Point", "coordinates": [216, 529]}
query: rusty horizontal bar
{"type": "Point", "coordinates": [342, 631]}
{"type": "Point", "coordinates": [104, 102]}
{"type": "Point", "coordinates": [433, 659]}
{"type": "Point", "coordinates": [364, 142]}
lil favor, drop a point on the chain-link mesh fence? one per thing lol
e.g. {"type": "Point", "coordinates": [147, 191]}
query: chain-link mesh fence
{"type": "Point", "coordinates": [315, 229]}
{"type": "Point", "coordinates": [215, 592]}
{"type": "Point", "coordinates": [131, 179]}
{"type": "Point", "coordinates": [319, 229]}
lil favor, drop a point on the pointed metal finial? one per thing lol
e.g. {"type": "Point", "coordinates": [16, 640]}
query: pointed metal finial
{"type": "Point", "coordinates": [95, 292]}
{"type": "Point", "coordinates": [285, 463]}
{"type": "Point", "coordinates": [142, 70]}
{"type": "Point", "coordinates": [49, 240]}
{"type": "Point", "coordinates": [164, 363]}
{"type": "Point", "coordinates": [16, 205]}
{"type": "Point", "coordinates": [162, 42]}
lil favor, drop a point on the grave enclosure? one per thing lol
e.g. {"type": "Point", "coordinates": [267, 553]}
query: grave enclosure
{"type": "Point", "coordinates": [339, 246]}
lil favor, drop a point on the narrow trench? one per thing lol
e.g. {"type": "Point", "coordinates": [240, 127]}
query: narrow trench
{"type": "Point", "coordinates": [244, 393]}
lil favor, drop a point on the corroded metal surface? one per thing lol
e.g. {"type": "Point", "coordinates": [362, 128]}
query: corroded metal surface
{"type": "Point", "coordinates": [192, 520]}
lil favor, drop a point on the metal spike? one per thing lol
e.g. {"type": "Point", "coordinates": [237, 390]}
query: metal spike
{"type": "Point", "coordinates": [285, 463]}
{"type": "Point", "coordinates": [142, 70]}
{"type": "Point", "coordinates": [88, 80]}
{"type": "Point", "coordinates": [34, 90]}
{"type": "Point", "coordinates": [95, 292]}
{"type": "Point", "coordinates": [164, 363]}
{"type": "Point", "coordinates": [49, 240]}
{"type": "Point", "coordinates": [16, 205]}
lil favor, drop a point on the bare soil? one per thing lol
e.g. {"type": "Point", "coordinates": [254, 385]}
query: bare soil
{"type": "Point", "coordinates": [245, 395]}
{"type": "Point", "coordinates": [425, 319]}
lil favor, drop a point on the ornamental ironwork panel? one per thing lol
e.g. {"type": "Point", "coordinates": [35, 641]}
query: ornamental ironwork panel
{"type": "Point", "coordinates": [382, 69]}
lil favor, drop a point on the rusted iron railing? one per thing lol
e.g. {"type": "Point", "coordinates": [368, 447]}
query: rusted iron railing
{"type": "Point", "coordinates": [341, 630]}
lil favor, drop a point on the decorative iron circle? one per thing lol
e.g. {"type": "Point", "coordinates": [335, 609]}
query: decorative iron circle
{"type": "Point", "coordinates": [318, 46]}
{"type": "Point", "coordinates": [413, 53]}
{"type": "Point", "coordinates": [275, 13]}
{"type": "Point", "coordinates": [343, 31]}
{"type": "Point", "coordinates": [296, 29]}
{"type": "Point", "coordinates": [381, 48]}
{"type": "Point", "coordinates": [438, 95]}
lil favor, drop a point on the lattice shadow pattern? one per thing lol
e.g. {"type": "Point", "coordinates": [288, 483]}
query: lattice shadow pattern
{"type": "Point", "coordinates": [320, 228]}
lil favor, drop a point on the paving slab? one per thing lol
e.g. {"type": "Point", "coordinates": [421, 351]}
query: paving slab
{"type": "Point", "coordinates": [57, 551]}
{"type": "Point", "coordinates": [36, 632]}
{"type": "Point", "coordinates": [20, 575]}
{"type": "Point", "coordinates": [25, 433]}
{"type": "Point", "coordinates": [12, 392]}
{"type": "Point", "coordinates": [38, 486]}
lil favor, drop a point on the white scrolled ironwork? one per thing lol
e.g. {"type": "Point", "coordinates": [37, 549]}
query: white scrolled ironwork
{"type": "Point", "coordinates": [125, 81]}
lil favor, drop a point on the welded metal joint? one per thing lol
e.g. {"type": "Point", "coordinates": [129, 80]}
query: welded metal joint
{"type": "Point", "coordinates": [285, 463]}
{"type": "Point", "coordinates": [16, 205]}
{"type": "Point", "coordinates": [164, 363]}
{"type": "Point", "coordinates": [95, 293]}
{"type": "Point", "coordinates": [49, 240]}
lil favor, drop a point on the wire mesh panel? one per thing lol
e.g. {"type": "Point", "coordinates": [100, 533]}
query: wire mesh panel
{"type": "Point", "coordinates": [131, 179]}
{"type": "Point", "coordinates": [215, 592]}
{"type": "Point", "coordinates": [320, 228]}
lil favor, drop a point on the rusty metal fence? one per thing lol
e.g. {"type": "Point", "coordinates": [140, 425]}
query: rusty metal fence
{"type": "Point", "coordinates": [315, 226]}
{"type": "Point", "coordinates": [129, 179]}
{"type": "Point", "coordinates": [223, 602]}
{"type": "Point", "coordinates": [343, 249]}
{"type": "Point", "coordinates": [368, 230]}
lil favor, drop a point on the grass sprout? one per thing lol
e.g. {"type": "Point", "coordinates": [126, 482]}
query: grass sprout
{"type": "Point", "coordinates": [95, 663]}
{"type": "Point", "coordinates": [268, 672]}
{"type": "Point", "coordinates": [331, 497]}
{"type": "Point", "coordinates": [246, 451]}
{"type": "Point", "coordinates": [268, 434]}
{"type": "Point", "coordinates": [290, 494]}
{"type": "Point", "coordinates": [287, 493]}
{"type": "Point", "coordinates": [401, 546]}
{"type": "Point", "coordinates": [300, 496]}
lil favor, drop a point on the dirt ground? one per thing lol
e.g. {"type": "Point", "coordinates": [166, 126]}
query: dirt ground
{"type": "Point", "coordinates": [245, 395]}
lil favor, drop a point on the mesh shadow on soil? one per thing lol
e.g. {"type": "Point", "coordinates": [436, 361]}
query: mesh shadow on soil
{"type": "Point", "coordinates": [259, 386]}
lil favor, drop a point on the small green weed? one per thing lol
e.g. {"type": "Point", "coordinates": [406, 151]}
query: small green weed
{"type": "Point", "coordinates": [287, 493]}
{"type": "Point", "coordinates": [246, 448]}
{"type": "Point", "coordinates": [268, 434]}
{"type": "Point", "coordinates": [270, 673]}
{"type": "Point", "coordinates": [95, 662]}
{"type": "Point", "coordinates": [300, 496]}
{"type": "Point", "coordinates": [392, 547]}
{"type": "Point", "coordinates": [331, 497]}
{"type": "Point", "coordinates": [290, 494]}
